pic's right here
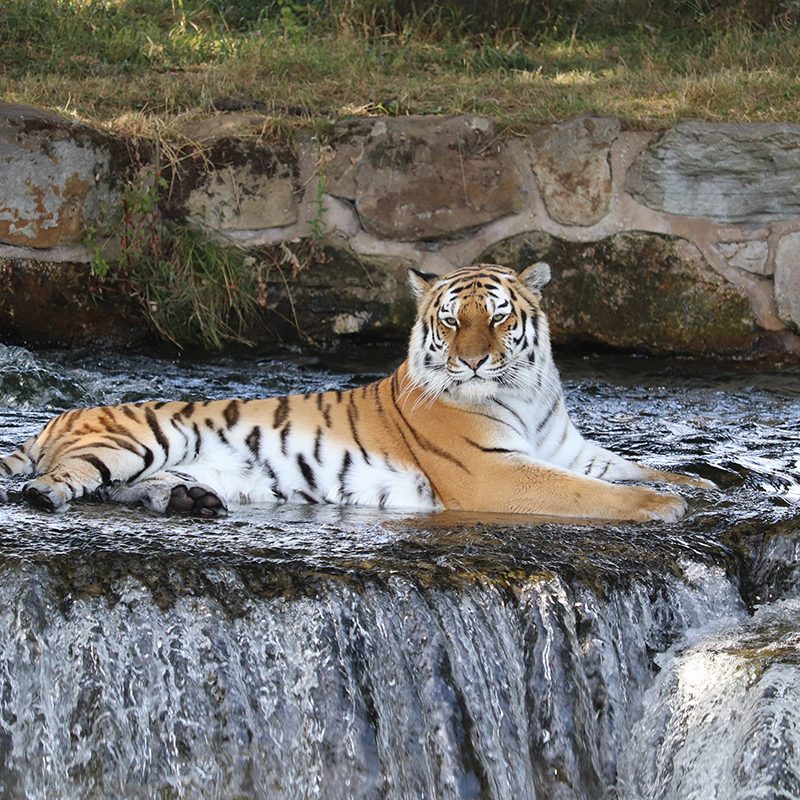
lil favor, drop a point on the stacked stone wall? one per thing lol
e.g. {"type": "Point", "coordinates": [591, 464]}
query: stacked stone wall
{"type": "Point", "coordinates": [678, 241]}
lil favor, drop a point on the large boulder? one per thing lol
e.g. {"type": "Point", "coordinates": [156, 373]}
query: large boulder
{"type": "Point", "coordinates": [572, 165]}
{"type": "Point", "coordinates": [416, 179]}
{"type": "Point", "coordinates": [739, 174]}
{"type": "Point", "coordinates": [635, 291]}
{"type": "Point", "coordinates": [55, 175]}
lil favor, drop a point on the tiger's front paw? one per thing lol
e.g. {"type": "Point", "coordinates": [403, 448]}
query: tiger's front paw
{"type": "Point", "coordinates": [666, 507]}
{"type": "Point", "coordinates": [44, 495]}
{"type": "Point", "coordinates": [198, 500]}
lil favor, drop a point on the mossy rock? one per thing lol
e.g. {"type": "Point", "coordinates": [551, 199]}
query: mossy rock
{"type": "Point", "coordinates": [321, 292]}
{"type": "Point", "coordinates": [635, 291]}
{"type": "Point", "coordinates": [60, 304]}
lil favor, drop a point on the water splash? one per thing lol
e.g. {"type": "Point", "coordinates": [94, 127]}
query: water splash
{"type": "Point", "coordinates": [722, 719]}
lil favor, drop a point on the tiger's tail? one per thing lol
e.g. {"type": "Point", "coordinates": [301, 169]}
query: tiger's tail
{"type": "Point", "coordinates": [20, 461]}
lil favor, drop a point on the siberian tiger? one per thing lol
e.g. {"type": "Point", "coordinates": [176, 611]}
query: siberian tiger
{"type": "Point", "coordinates": [474, 419]}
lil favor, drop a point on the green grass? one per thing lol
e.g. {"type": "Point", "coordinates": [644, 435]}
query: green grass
{"type": "Point", "coordinates": [124, 62]}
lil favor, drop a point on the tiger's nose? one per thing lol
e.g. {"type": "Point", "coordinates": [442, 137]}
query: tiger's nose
{"type": "Point", "coordinates": [473, 363]}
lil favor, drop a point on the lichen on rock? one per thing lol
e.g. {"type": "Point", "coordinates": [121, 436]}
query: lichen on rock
{"type": "Point", "coordinates": [635, 291]}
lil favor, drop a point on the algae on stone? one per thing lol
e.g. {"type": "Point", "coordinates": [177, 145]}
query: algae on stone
{"type": "Point", "coordinates": [636, 291]}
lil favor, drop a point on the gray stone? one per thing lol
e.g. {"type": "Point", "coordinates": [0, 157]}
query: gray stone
{"type": "Point", "coordinates": [637, 291]}
{"type": "Point", "coordinates": [55, 175]}
{"type": "Point", "coordinates": [430, 177]}
{"type": "Point", "coordinates": [239, 185]}
{"type": "Point", "coordinates": [571, 162]}
{"type": "Point", "coordinates": [348, 142]}
{"type": "Point", "coordinates": [750, 256]}
{"type": "Point", "coordinates": [321, 292]}
{"type": "Point", "coordinates": [787, 279]}
{"type": "Point", "coordinates": [740, 174]}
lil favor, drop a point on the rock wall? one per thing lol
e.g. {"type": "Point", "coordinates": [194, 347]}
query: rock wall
{"type": "Point", "coordinates": [679, 241]}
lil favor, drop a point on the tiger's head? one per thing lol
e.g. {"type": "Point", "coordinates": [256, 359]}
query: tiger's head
{"type": "Point", "coordinates": [480, 332]}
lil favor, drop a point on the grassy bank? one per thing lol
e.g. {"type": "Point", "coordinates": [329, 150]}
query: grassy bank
{"type": "Point", "coordinates": [129, 62]}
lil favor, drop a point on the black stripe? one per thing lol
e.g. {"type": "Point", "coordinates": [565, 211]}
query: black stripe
{"type": "Point", "coordinates": [152, 421]}
{"type": "Point", "coordinates": [275, 486]}
{"type": "Point", "coordinates": [307, 472]}
{"type": "Point", "coordinates": [284, 437]}
{"type": "Point", "coordinates": [129, 412]}
{"type": "Point", "coordinates": [253, 441]}
{"type": "Point", "coordinates": [378, 402]}
{"type": "Point", "coordinates": [6, 467]}
{"type": "Point", "coordinates": [423, 442]}
{"type": "Point", "coordinates": [490, 449]}
{"type": "Point", "coordinates": [513, 414]}
{"type": "Point", "coordinates": [147, 458]}
{"type": "Point", "coordinates": [351, 418]}
{"type": "Point", "coordinates": [231, 413]}
{"type": "Point", "coordinates": [547, 417]}
{"type": "Point", "coordinates": [347, 462]}
{"type": "Point", "coordinates": [281, 412]}
{"type": "Point", "coordinates": [196, 432]}
{"type": "Point", "coordinates": [222, 437]}
{"type": "Point", "coordinates": [99, 465]}
{"type": "Point", "coordinates": [308, 498]}
{"type": "Point", "coordinates": [159, 404]}
{"type": "Point", "coordinates": [318, 446]}
{"type": "Point", "coordinates": [118, 443]}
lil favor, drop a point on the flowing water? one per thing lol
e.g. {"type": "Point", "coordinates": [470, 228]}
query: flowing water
{"type": "Point", "coordinates": [302, 652]}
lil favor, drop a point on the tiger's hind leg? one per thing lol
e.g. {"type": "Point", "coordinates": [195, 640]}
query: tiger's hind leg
{"type": "Point", "coordinates": [78, 475]}
{"type": "Point", "coordinates": [168, 491]}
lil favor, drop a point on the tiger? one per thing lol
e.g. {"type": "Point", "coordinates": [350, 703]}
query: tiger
{"type": "Point", "coordinates": [474, 419]}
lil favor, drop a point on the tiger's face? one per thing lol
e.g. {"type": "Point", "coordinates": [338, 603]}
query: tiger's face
{"type": "Point", "coordinates": [480, 331]}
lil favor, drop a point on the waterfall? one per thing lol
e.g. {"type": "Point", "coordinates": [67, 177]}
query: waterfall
{"type": "Point", "coordinates": [383, 688]}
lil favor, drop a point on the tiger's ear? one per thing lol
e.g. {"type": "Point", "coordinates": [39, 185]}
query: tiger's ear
{"type": "Point", "coordinates": [420, 282]}
{"type": "Point", "coordinates": [536, 276]}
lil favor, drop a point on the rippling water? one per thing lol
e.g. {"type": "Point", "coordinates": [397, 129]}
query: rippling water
{"type": "Point", "coordinates": [295, 652]}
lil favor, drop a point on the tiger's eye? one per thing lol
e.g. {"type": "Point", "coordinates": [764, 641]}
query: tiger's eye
{"type": "Point", "coordinates": [498, 318]}
{"type": "Point", "coordinates": [451, 322]}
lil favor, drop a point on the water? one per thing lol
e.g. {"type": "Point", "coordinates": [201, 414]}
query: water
{"type": "Point", "coordinates": [300, 652]}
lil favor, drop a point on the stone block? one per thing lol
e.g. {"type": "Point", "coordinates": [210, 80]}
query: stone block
{"type": "Point", "coordinates": [327, 290]}
{"type": "Point", "coordinates": [55, 175]}
{"type": "Point", "coordinates": [729, 173]}
{"type": "Point", "coordinates": [787, 279]}
{"type": "Point", "coordinates": [750, 256]}
{"type": "Point", "coordinates": [46, 304]}
{"type": "Point", "coordinates": [635, 291]}
{"type": "Point", "coordinates": [238, 185]}
{"type": "Point", "coordinates": [417, 179]}
{"type": "Point", "coordinates": [571, 161]}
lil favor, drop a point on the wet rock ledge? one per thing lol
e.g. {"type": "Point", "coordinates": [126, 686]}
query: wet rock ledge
{"type": "Point", "coordinates": [677, 241]}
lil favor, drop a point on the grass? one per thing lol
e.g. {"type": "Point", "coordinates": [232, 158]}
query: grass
{"type": "Point", "coordinates": [112, 61]}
